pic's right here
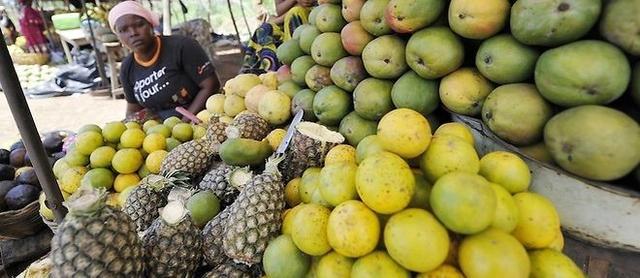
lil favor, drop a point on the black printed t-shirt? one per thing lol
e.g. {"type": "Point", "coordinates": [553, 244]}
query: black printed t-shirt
{"type": "Point", "coordinates": [169, 81]}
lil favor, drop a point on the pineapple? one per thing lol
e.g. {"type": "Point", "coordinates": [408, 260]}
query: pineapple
{"type": "Point", "coordinates": [226, 182]}
{"type": "Point", "coordinates": [212, 239]}
{"type": "Point", "coordinates": [229, 269]}
{"type": "Point", "coordinates": [196, 156]}
{"type": "Point", "coordinates": [143, 202]}
{"type": "Point", "coordinates": [248, 125]}
{"type": "Point", "coordinates": [254, 218]}
{"type": "Point", "coordinates": [170, 243]}
{"type": "Point", "coordinates": [95, 240]}
{"type": "Point", "coordinates": [309, 145]}
{"type": "Point", "coordinates": [216, 130]}
{"type": "Point", "coordinates": [192, 158]}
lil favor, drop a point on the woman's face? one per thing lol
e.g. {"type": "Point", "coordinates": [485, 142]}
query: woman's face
{"type": "Point", "coordinates": [135, 32]}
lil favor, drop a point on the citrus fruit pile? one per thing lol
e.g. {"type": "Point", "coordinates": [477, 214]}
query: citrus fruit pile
{"type": "Point", "coordinates": [118, 155]}
{"type": "Point", "coordinates": [405, 201]}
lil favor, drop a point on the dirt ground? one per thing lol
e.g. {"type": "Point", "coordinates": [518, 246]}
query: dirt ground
{"type": "Point", "coordinates": [61, 113]}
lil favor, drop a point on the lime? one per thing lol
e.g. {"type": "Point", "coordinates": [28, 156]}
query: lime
{"type": "Point", "coordinates": [88, 141]}
{"type": "Point", "coordinates": [172, 143]}
{"type": "Point", "coordinates": [160, 129]}
{"type": "Point", "coordinates": [98, 178]}
{"type": "Point", "coordinates": [124, 181]}
{"type": "Point", "coordinates": [127, 161]}
{"type": "Point", "coordinates": [71, 178]}
{"type": "Point", "coordinates": [204, 116]}
{"type": "Point", "coordinates": [148, 124]}
{"type": "Point", "coordinates": [122, 197]}
{"type": "Point", "coordinates": [183, 132]}
{"type": "Point", "coordinates": [89, 127]}
{"type": "Point", "coordinates": [112, 131]}
{"type": "Point", "coordinates": [133, 125]}
{"type": "Point", "coordinates": [154, 142]}
{"type": "Point", "coordinates": [143, 171]}
{"type": "Point", "coordinates": [132, 138]}
{"type": "Point", "coordinates": [60, 166]}
{"type": "Point", "coordinates": [154, 161]}
{"type": "Point", "coordinates": [203, 206]}
{"type": "Point", "coordinates": [171, 121]}
{"type": "Point", "coordinates": [199, 131]}
{"type": "Point", "coordinates": [74, 158]}
{"type": "Point", "coordinates": [101, 157]}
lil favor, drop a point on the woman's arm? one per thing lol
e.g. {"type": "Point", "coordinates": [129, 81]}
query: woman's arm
{"type": "Point", "coordinates": [279, 20]}
{"type": "Point", "coordinates": [207, 87]}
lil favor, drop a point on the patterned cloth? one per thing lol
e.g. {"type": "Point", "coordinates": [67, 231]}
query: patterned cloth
{"type": "Point", "coordinates": [260, 53]}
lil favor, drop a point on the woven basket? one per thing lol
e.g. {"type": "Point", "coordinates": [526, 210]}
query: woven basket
{"type": "Point", "coordinates": [53, 225]}
{"type": "Point", "coordinates": [30, 58]}
{"type": "Point", "coordinates": [16, 224]}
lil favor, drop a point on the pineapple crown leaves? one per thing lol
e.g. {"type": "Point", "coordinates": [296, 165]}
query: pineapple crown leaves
{"type": "Point", "coordinates": [271, 166]}
{"type": "Point", "coordinates": [173, 177]}
{"type": "Point", "coordinates": [86, 201]}
{"type": "Point", "coordinates": [174, 213]}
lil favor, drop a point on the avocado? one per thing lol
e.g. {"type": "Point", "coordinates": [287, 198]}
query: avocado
{"type": "Point", "coordinates": [21, 195]}
{"type": "Point", "coordinates": [5, 186]}
{"type": "Point", "coordinates": [4, 156]}
{"type": "Point", "coordinates": [52, 143]}
{"type": "Point", "coordinates": [28, 176]}
{"type": "Point", "coordinates": [17, 145]}
{"type": "Point", "coordinates": [244, 152]}
{"type": "Point", "coordinates": [7, 172]}
{"type": "Point", "coordinates": [16, 158]}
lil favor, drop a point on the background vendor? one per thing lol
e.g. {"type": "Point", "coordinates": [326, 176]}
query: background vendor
{"type": "Point", "coordinates": [163, 72]}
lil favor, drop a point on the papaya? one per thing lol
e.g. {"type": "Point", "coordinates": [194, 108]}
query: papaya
{"type": "Point", "coordinates": [244, 152]}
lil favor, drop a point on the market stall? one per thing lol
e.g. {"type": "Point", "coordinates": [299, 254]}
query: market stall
{"type": "Point", "coordinates": [457, 140]}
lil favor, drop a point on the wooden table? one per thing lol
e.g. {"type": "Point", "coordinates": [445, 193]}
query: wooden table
{"type": "Point", "coordinates": [74, 37]}
{"type": "Point", "coordinates": [112, 50]}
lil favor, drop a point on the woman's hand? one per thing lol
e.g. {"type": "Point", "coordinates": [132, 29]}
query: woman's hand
{"type": "Point", "coordinates": [132, 108]}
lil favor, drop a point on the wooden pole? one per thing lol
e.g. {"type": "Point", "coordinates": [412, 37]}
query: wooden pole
{"type": "Point", "coordinates": [166, 17]}
{"type": "Point", "coordinates": [233, 19]}
{"type": "Point", "coordinates": [244, 16]}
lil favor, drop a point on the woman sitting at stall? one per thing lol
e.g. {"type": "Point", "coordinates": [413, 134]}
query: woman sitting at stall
{"type": "Point", "coordinates": [163, 72]}
{"type": "Point", "coordinates": [260, 55]}
{"type": "Point", "coordinates": [32, 27]}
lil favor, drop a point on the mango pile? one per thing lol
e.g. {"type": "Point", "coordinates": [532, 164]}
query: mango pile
{"type": "Point", "coordinates": [559, 89]}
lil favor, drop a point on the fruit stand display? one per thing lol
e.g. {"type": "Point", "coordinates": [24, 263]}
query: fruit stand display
{"type": "Point", "coordinates": [376, 181]}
